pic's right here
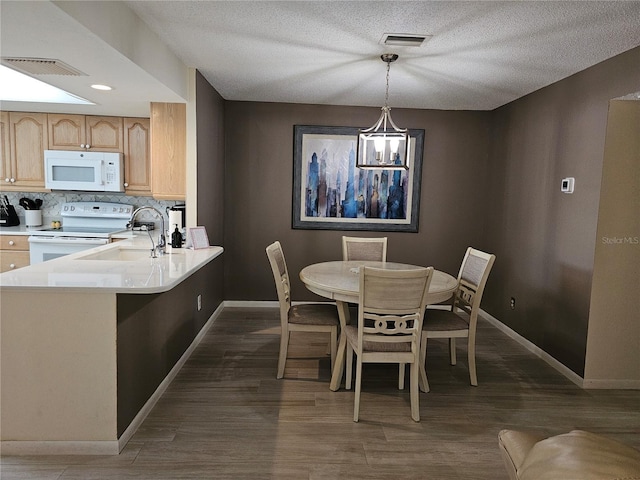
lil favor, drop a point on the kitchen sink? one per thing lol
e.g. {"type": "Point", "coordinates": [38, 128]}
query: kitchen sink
{"type": "Point", "coordinates": [119, 254]}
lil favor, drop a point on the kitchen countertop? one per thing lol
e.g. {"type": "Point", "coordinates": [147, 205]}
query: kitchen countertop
{"type": "Point", "coordinates": [141, 276]}
{"type": "Point", "coordinates": [22, 229]}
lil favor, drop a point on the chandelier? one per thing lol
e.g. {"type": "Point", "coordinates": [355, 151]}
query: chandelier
{"type": "Point", "coordinates": [384, 145]}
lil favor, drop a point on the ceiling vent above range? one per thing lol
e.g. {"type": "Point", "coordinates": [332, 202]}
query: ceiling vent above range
{"type": "Point", "coordinates": [41, 66]}
{"type": "Point", "coordinates": [404, 39]}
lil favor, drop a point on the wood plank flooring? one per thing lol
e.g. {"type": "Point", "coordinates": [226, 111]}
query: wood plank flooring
{"type": "Point", "coordinates": [226, 416]}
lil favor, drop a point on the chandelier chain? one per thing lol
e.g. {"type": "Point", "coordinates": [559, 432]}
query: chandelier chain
{"type": "Point", "coordinates": [386, 95]}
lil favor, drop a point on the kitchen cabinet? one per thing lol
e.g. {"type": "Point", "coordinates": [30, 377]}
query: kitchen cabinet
{"type": "Point", "coordinates": [137, 159]}
{"type": "Point", "coordinates": [168, 151]}
{"type": "Point", "coordinates": [85, 132]}
{"type": "Point", "coordinates": [5, 170]}
{"type": "Point", "coordinates": [14, 252]}
{"type": "Point", "coordinates": [24, 170]}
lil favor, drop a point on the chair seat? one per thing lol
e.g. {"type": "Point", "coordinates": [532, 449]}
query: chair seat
{"type": "Point", "coordinates": [352, 334]}
{"type": "Point", "coordinates": [443, 320]}
{"type": "Point", "coordinates": [314, 314]}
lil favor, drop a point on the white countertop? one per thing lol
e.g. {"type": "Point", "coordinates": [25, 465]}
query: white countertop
{"type": "Point", "coordinates": [143, 275]}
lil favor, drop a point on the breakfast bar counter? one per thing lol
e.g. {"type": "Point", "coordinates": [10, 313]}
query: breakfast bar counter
{"type": "Point", "coordinates": [124, 266]}
{"type": "Point", "coordinates": [89, 341]}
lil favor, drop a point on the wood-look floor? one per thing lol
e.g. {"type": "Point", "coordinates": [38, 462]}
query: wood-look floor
{"type": "Point", "coordinates": [226, 416]}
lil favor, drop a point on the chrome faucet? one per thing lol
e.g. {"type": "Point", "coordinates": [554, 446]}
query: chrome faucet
{"type": "Point", "coordinates": [161, 246]}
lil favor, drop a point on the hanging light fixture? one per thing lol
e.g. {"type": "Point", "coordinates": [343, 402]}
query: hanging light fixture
{"type": "Point", "coordinates": [384, 145]}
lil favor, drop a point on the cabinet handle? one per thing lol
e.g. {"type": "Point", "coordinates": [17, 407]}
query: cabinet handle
{"type": "Point", "coordinates": [126, 184]}
{"type": "Point", "coordinates": [12, 243]}
{"type": "Point", "coordinates": [87, 146]}
{"type": "Point", "coordinates": [13, 180]}
{"type": "Point", "coordinates": [7, 180]}
{"type": "Point", "coordinates": [12, 266]}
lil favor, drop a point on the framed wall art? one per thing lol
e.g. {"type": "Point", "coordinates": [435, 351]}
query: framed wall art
{"type": "Point", "coordinates": [330, 193]}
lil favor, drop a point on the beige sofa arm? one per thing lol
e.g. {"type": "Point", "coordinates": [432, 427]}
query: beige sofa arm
{"type": "Point", "coordinates": [575, 455]}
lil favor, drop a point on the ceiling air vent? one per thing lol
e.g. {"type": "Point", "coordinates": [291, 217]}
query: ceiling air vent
{"type": "Point", "coordinates": [404, 39]}
{"type": "Point", "coordinates": [41, 66]}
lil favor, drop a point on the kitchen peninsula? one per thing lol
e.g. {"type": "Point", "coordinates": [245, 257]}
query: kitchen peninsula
{"type": "Point", "coordinates": [90, 340]}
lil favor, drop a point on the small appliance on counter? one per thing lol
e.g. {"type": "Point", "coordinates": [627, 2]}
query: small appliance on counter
{"type": "Point", "coordinates": [8, 215]}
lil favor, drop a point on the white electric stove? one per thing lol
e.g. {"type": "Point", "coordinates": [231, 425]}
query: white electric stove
{"type": "Point", "coordinates": [84, 225]}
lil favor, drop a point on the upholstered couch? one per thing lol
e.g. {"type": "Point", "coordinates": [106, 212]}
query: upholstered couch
{"type": "Point", "coordinates": [576, 455]}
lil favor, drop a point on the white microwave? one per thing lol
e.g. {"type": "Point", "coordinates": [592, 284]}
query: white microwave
{"type": "Point", "coordinates": [84, 171]}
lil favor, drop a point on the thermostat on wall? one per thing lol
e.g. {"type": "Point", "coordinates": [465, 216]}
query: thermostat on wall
{"type": "Point", "coordinates": [567, 185]}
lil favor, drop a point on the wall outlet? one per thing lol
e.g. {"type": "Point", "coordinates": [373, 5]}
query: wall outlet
{"type": "Point", "coordinates": [199, 302]}
{"type": "Point", "coordinates": [512, 303]}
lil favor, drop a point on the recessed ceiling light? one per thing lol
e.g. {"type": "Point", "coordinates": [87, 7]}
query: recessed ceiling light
{"type": "Point", "coordinates": [101, 87]}
{"type": "Point", "coordinates": [17, 87]}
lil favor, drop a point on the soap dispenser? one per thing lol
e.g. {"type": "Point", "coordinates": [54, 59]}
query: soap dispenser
{"type": "Point", "coordinates": [176, 238]}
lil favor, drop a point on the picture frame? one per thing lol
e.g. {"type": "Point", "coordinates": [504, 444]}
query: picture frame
{"type": "Point", "coordinates": [330, 193]}
{"type": "Point", "coordinates": [198, 237]}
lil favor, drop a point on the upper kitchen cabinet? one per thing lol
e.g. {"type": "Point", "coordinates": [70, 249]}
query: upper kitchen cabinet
{"type": "Point", "coordinates": [24, 170]}
{"type": "Point", "coordinates": [85, 132]}
{"type": "Point", "coordinates": [169, 151]}
{"type": "Point", "coordinates": [5, 150]}
{"type": "Point", "coordinates": [137, 161]}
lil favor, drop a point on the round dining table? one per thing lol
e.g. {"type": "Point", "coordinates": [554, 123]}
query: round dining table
{"type": "Point", "coordinates": [340, 281]}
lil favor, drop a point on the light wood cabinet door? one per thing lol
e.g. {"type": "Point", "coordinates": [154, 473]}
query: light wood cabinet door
{"type": "Point", "coordinates": [66, 131]}
{"type": "Point", "coordinates": [104, 134]}
{"type": "Point", "coordinates": [85, 132]}
{"type": "Point", "coordinates": [28, 141]}
{"type": "Point", "coordinates": [5, 149]}
{"type": "Point", "coordinates": [137, 159]}
{"type": "Point", "coordinates": [168, 151]}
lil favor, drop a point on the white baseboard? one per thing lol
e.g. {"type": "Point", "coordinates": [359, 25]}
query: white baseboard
{"type": "Point", "coordinates": [570, 374]}
{"type": "Point", "coordinates": [251, 304]}
{"type": "Point", "coordinates": [49, 447]}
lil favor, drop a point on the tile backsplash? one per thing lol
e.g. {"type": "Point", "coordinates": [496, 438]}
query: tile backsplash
{"type": "Point", "coordinates": [52, 203]}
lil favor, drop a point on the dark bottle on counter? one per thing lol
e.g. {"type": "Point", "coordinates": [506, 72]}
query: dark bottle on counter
{"type": "Point", "coordinates": [176, 238]}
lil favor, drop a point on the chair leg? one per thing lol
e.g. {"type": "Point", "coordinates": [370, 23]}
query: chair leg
{"type": "Point", "coordinates": [349, 367]}
{"type": "Point", "coordinates": [401, 377]}
{"type": "Point", "coordinates": [471, 350]}
{"type": "Point", "coordinates": [452, 351]}
{"type": "Point", "coordinates": [424, 384]}
{"type": "Point", "coordinates": [334, 346]}
{"type": "Point", "coordinates": [356, 404]}
{"type": "Point", "coordinates": [415, 393]}
{"type": "Point", "coordinates": [282, 359]}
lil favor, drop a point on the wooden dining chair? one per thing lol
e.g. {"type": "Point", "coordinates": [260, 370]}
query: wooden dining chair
{"type": "Point", "coordinates": [390, 311]}
{"type": "Point", "coordinates": [359, 248]}
{"type": "Point", "coordinates": [461, 319]}
{"type": "Point", "coordinates": [307, 317]}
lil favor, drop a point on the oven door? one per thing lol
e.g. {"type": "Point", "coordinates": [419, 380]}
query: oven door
{"type": "Point", "coordinates": [43, 248]}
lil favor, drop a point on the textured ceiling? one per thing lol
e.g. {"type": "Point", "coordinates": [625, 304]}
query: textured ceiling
{"type": "Point", "coordinates": [481, 56]}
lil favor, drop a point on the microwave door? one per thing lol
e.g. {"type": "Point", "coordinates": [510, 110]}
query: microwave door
{"type": "Point", "coordinates": [76, 175]}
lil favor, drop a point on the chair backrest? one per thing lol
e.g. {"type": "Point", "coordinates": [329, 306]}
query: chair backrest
{"type": "Point", "coordinates": [391, 304]}
{"type": "Point", "coordinates": [357, 248]}
{"type": "Point", "coordinates": [472, 278]}
{"type": "Point", "coordinates": [281, 277]}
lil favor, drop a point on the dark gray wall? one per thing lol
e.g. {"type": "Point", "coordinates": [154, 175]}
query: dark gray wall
{"type": "Point", "coordinates": [210, 173]}
{"type": "Point", "coordinates": [258, 192]}
{"type": "Point", "coordinates": [545, 240]}
{"type": "Point", "coordinates": [153, 333]}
